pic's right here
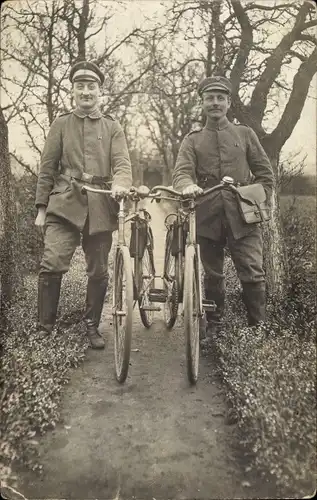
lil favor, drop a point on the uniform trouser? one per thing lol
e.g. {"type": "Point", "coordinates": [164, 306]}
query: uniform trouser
{"type": "Point", "coordinates": [61, 240]}
{"type": "Point", "coordinates": [247, 256]}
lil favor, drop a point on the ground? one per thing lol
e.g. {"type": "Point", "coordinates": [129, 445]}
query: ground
{"type": "Point", "coordinates": [153, 437]}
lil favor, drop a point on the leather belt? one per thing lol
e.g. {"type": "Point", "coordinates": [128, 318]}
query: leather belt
{"type": "Point", "coordinates": [84, 177]}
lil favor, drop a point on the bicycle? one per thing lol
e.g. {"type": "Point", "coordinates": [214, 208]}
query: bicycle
{"type": "Point", "coordinates": [122, 295]}
{"type": "Point", "coordinates": [182, 270]}
{"type": "Point", "coordinates": [131, 285]}
{"type": "Point", "coordinates": [142, 251]}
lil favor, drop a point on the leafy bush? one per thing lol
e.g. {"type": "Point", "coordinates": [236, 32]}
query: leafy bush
{"type": "Point", "coordinates": [299, 224]}
{"type": "Point", "coordinates": [34, 371]}
{"type": "Point", "coordinates": [270, 371]}
{"type": "Point", "coordinates": [271, 374]}
{"type": "Point", "coordinates": [31, 243]}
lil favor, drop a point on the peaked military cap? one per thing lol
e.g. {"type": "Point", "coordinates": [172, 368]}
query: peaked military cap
{"type": "Point", "coordinates": [86, 70]}
{"type": "Point", "coordinates": [215, 83]}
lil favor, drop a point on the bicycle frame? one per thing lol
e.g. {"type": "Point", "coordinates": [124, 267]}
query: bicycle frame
{"type": "Point", "coordinates": [138, 216]}
{"type": "Point", "coordinates": [191, 240]}
{"type": "Point", "coordinates": [190, 214]}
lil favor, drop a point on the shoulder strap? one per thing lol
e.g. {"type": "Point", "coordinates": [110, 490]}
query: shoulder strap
{"type": "Point", "coordinates": [194, 131]}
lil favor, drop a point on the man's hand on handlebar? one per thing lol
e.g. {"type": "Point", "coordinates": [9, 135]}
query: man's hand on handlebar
{"type": "Point", "coordinates": [192, 190]}
{"type": "Point", "coordinates": [119, 191]}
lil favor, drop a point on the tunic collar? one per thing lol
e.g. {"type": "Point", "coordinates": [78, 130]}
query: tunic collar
{"type": "Point", "coordinates": [94, 114]}
{"type": "Point", "coordinates": [217, 125]}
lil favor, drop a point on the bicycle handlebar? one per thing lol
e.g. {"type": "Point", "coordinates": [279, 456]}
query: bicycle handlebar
{"type": "Point", "coordinates": [155, 193]}
{"type": "Point", "coordinates": [133, 193]}
{"type": "Point", "coordinates": [85, 188]}
{"type": "Point", "coordinates": [227, 182]}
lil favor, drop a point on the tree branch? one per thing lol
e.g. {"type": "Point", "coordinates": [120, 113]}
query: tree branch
{"type": "Point", "coordinates": [274, 63]}
{"type": "Point", "coordinates": [299, 56]}
{"type": "Point", "coordinates": [23, 164]}
{"type": "Point", "coordinates": [244, 47]}
{"type": "Point", "coordinates": [295, 103]}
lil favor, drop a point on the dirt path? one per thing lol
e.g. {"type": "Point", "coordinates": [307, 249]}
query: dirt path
{"type": "Point", "coordinates": [154, 437]}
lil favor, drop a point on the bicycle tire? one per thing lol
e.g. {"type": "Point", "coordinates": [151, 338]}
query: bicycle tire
{"type": "Point", "coordinates": [146, 270]}
{"type": "Point", "coordinates": [122, 310]}
{"type": "Point", "coordinates": [170, 282]}
{"type": "Point", "coordinates": [191, 314]}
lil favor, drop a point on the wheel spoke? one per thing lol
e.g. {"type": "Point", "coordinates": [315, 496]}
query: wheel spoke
{"type": "Point", "coordinates": [146, 280]}
{"type": "Point", "coordinates": [191, 314]}
{"type": "Point", "coordinates": [122, 312]}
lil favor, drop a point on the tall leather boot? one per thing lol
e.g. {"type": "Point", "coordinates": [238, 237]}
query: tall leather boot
{"type": "Point", "coordinates": [49, 286]}
{"type": "Point", "coordinates": [254, 297]}
{"type": "Point", "coordinates": [95, 297]}
{"type": "Point", "coordinates": [213, 318]}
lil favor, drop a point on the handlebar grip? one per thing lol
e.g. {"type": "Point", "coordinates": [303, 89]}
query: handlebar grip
{"type": "Point", "coordinates": [166, 189]}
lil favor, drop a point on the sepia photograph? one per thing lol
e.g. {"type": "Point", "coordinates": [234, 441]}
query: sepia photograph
{"type": "Point", "coordinates": [158, 249]}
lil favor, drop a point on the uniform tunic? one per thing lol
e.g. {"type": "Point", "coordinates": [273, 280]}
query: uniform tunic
{"type": "Point", "coordinates": [205, 157]}
{"type": "Point", "coordinates": [94, 144]}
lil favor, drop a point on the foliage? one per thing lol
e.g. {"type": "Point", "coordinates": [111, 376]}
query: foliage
{"type": "Point", "coordinates": [271, 376]}
{"type": "Point", "coordinates": [300, 185]}
{"type": "Point", "coordinates": [299, 227]}
{"type": "Point", "coordinates": [270, 371]}
{"type": "Point", "coordinates": [9, 264]}
{"type": "Point", "coordinates": [34, 372]}
{"type": "Point", "coordinates": [30, 240]}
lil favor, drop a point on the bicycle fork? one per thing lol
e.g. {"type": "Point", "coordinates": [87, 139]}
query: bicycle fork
{"type": "Point", "coordinates": [202, 305]}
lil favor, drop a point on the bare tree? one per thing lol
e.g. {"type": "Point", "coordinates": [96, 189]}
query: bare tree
{"type": "Point", "coordinates": [168, 102]}
{"type": "Point", "coordinates": [43, 42]}
{"type": "Point", "coordinates": [235, 38]}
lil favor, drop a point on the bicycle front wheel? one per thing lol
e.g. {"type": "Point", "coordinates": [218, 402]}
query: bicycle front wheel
{"type": "Point", "coordinates": [145, 280]}
{"type": "Point", "coordinates": [191, 313]}
{"type": "Point", "coordinates": [122, 312]}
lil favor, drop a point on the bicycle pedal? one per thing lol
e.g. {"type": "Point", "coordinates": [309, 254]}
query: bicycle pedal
{"type": "Point", "coordinates": [150, 308]}
{"type": "Point", "coordinates": [157, 295]}
{"type": "Point", "coordinates": [209, 305]}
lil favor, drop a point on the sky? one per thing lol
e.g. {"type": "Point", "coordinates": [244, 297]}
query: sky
{"type": "Point", "coordinates": [136, 12]}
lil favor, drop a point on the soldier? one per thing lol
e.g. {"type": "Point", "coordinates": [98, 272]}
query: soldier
{"type": "Point", "coordinates": [82, 147]}
{"type": "Point", "coordinates": [205, 157]}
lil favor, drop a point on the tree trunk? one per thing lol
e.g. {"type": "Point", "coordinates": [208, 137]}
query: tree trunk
{"type": "Point", "coordinates": [9, 269]}
{"type": "Point", "coordinates": [167, 175]}
{"type": "Point", "coordinates": [275, 258]}
{"type": "Point", "coordinates": [137, 171]}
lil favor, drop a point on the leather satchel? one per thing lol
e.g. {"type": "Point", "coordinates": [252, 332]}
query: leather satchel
{"type": "Point", "coordinates": [252, 203]}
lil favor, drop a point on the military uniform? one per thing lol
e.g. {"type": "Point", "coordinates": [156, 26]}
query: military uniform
{"type": "Point", "coordinates": [80, 148]}
{"type": "Point", "coordinates": [77, 145]}
{"type": "Point", "coordinates": [205, 157]}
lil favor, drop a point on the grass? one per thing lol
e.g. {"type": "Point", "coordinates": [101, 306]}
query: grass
{"type": "Point", "coordinates": [34, 372]}
{"type": "Point", "coordinates": [270, 371]}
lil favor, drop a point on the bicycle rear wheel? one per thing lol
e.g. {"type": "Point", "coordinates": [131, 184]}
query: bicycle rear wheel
{"type": "Point", "coordinates": [170, 282]}
{"type": "Point", "coordinates": [145, 282]}
{"type": "Point", "coordinates": [191, 313]}
{"type": "Point", "coordinates": [122, 312]}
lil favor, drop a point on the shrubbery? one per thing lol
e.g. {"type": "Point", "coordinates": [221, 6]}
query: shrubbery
{"type": "Point", "coordinates": [271, 376]}
{"type": "Point", "coordinates": [34, 372]}
{"type": "Point", "coordinates": [30, 241]}
{"type": "Point", "coordinates": [271, 371]}
{"type": "Point", "coordinates": [299, 223]}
